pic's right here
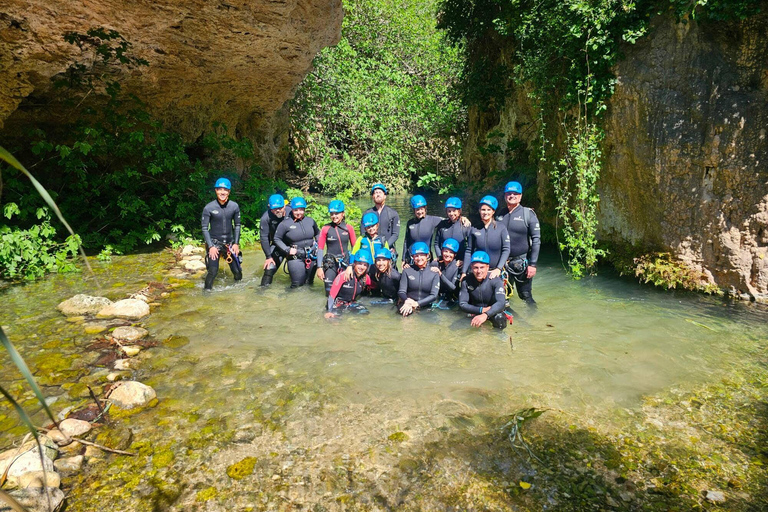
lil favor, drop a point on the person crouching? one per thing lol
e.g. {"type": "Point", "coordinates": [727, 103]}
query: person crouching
{"type": "Point", "coordinates": [482, 296]}
{"type": "Point", "coordinates": [344, 292]}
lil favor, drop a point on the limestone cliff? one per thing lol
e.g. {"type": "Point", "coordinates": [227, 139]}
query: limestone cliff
{"type": "Point", "coordinates": [686, 154]}
{"type": "Point", "coordinates": [233, 61]}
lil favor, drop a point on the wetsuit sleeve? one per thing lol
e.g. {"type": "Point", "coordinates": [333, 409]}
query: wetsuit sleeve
{"type": "Point", "coordinates": [205, 222]}
{"type": "Point", "coordinates": [407, 243]}
{"type": "Point", "coordinates": [352, 236]}
{"type": "Point", "coordinates": [464, 304]}
{"type": "Point", "coordinates": [534, 231]}
{"type": "Point", "coordinates": [315, 229]}
{"type": "Point", "coordinates": [264, 235]}
{"type": "Point", "coordinates": [279, 233]}
{"type": "Point", "coordinates": [402, 291]}
{"type": "Point", "coordinates": [321, 242]}
{"type": "Point", "coordinates": [335, 287]}
{"type": "Point", "coordinates": [435, 291]}
{"type": "Point", "coordinates": [505, 247]}
{"type": "Point", "coordinates": [236, 219]}
{"type": "Point", "coordinates": [467, 256]}
{"type": "Point", "coordinates": [448, 278]}
{"type": "Point", "coordinates": [500, 295]}
{"type": "Point", "coordinates": [395, 229]}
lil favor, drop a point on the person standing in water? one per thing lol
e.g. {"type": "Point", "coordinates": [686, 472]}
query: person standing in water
{"type": "Point", "coordinates": [384, 278]}
{"type": "Point", "coordinates": [389, 220]}
{"type": "Point", "coordinates": [482, 296]}
{"type": "Point", "coordinates": [524, 240]}
{"type": "Point", "coordinates": [276, 212]}
{"type": "Point", "coordinates": [452, 227]}
{"type": "Point", "coordinates": [370, 241]}
{"type": "Point", "coordinates": [335, 240]}
{"type": "Point", "coordinates": [221, 231]}
{"type": "Point", "coordinates": [345, 292]}
{"type": "Point", "coordinates": [296, 238]}
{"type": "Point", "coordinates": [420, 228]}
{"type": "Point", "coordinates": [491, 237]}
{"type": "Point", "coordinates": [419, 286]}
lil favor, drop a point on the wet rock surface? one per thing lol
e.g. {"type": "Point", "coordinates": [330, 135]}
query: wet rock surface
{"type": "Point", "coordinates": [83, 305]}
{"type": "Point", "coordinates": [129, 333]}
{"type": "Point", "coordinates": [130, 309]}
{"type": "Point", "coordinates": [132, 394]}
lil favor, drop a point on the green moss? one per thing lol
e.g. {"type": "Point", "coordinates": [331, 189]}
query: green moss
{"type": "Point", "coordinates": [206, 494]}
{"type": "Point", "coordinates": [242, 469]}
{"type": "Point", "coordinates": [163, 459]}
{"type": "Point", "coordinates": [398, 437]}
{"type": "Point", "coordinates": [176, 341]}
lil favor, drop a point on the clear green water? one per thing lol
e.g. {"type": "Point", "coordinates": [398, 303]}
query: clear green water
{"type": "Point", "coordinates": [268, 361]}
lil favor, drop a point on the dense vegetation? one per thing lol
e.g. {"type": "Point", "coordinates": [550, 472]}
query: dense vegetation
{"type": "Point", "coordinates": [379, 105]}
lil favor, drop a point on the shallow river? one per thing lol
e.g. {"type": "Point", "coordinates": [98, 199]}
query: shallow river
{"type": "Point", "coordinates": [265, 375]}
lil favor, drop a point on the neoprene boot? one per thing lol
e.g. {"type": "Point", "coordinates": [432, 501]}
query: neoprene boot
{"type": "Point", "coordinates": [527, 297]}
{"type": "Point", "coordinates": [499, 320]}
{"type": "Point", "coordinates": [266, 279]}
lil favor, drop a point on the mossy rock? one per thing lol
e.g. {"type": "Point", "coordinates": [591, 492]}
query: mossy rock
{"type": "Point", "coordinates": [163, 459]}
{"type": "Point", "coordinates": [56, 363]}
{"type": "Point", "coordinates": [242, 469]}
{"type": "Point", "coordinates": [206, 494]}
{"type": "Point", "coordinates": [115, 436]}
{"type": "Point", "coordinates": [398, 437]}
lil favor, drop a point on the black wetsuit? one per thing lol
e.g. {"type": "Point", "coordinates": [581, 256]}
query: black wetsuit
{"type": "Point", "coordinates": [423, 286]}
{"type": "Point", "coordinates": [333, 248]}
{"type": "Point", "coordinates": [344, 294]}
{"type": "Point", "coordinates": [267, 228]}
{"type": "Point", "coordinates": [449, 279]}
{"type": "Point", "coordinates": [221, 227]}
{"type": "Point", "coordinates": [419, 230]}
{"type": "Point", "coordinates": [389, 224]}
{"type": "Point", "coordinates": [494, 240]}
{"type": "Point", "coordinates": [300, 234]}
{"type": "Point", "coordinates": [475, 296]}
{"type": "Point", "coordinates": [525, 243]}
{"type": "Point", "coordinates": [456, 230]}
{"type": "Point", "coordinates": [387, 285]}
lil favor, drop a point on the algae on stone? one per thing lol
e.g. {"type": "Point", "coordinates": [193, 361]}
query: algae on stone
{"type": "Point", "coordinates": [242, 469]}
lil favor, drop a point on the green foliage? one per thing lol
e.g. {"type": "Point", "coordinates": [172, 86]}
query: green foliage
{"type": "Point", "coordinates": [106, 254]}
{"type": "Point", "coordinates": [120, 176]}
{"type": "Point", "coordinates": [319, 211]}
{"type": "Point", "coordinates": [29, 254]}
{"type": "Point", "coordinates": [248, 236]}
{"type": "Point", "coordinates": [378, 106]}
{"type": "Point", "coordinates": [664, 270]}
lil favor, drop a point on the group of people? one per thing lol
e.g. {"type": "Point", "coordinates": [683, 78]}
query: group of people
{"type": "Point", "coordinates": [444, 260]}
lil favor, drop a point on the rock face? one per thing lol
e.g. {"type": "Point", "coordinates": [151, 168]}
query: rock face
{"type": "Point", "coordinates": [235, 62]}
{"type": "Point", "coordinates": [83, 305]}
{"type": "Point", "coordinates": [686, 153]}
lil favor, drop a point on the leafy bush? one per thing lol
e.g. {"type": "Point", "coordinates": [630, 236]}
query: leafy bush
{"type": "Point", "coordinates": [319, 211]}
{"type": "Point", "coordinates": [378, 106]}
{"type": "Point", "coordinates": [29, 254]}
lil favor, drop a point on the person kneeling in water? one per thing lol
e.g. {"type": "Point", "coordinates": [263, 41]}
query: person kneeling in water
{"type": "Point", "coordinates": [385, 279]}
{"type": "Point", "coordinates": [344, 292]}
{"type": "Point", "coordinates": [418, 285]}
{"type": "Point", "coordinates": [482, 296]}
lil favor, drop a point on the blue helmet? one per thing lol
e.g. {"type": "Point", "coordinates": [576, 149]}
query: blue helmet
{"type": "Point", "coordinates": [514, 187]}
{"type": "Point", "coordinates": [223, 183]}
{"type": "Point", "coordinates": [384, 253]}
{"type": "Point", "coordinates": [481, 257]}
{"type": "Point", "coordinates": [451, 244]}
{"type": "Point", "coordinates": [364, 257]}
{"type": "Point", "coordinates": [336, 206]}
{"type": "Point", "coordinates": [418, 202]}
{"type": "Point", "coordinates": [370, 219]}
{"type": "Point", "coordinates": [275, 201]}
{"type": "Point", "coordinates": [379, 186]}
{"type": "Point", "coordinates": [490, 201]}
{"type": "Point", "coordinates": [419, 248]}
{"type": "Point", "coordinates": [453, 202]}
{"type": "Point", "coordinates": [298, 202]}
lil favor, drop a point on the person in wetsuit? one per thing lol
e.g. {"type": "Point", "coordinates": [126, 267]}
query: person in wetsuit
{"type": "Point", "coordinates": [389, 220]}
{"type": "Point", "coordinates": [370, 241]}
{"type": "Point", "coordinates": [482, 296]}
{"type": "Point", "coordinates": [384, 278]}
{"type": "Point", "coordinates": [524, 240]}
{"type": "Point", "coordinates": [420, 228]}
{"type": "Point", "coordinates": [419, 286]}
{"type": "Point", "coordinates": [452, 227]}
{"type": "Point", "coordinates": [491, 237]}
{"type": "Point", "coordinates": [276, 212]}
{"type": "Point", "coordinates": [333, 245]}
{"type": "Point", "coordinates": [345, 292]}
{"type": "Point", "coordinates": [221, 231]}
{"type": "Point", "coordinates": [295, 237]}
{"type": "Point", "coordinates": [448, 271]}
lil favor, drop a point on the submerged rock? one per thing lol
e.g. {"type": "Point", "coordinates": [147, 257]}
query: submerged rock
{"type": "Point", "coordinates": [131, 350]}
{"type": "Point", "coordinates": [69, 465]}
{"type": "Point", "coordinates": [131, 309]}
{"type": "Point", "coordinates": [193, 265]}
{"type": "Point", "coordinates": [131, 394]}
{"type": "Point", "coordinates": [72, 427]}
{"type": "Point", "coordinates": [39, 479]}
{"type": "Point", "coordinates": [83, 305]}
{"type": "Point", "coordinates": [129, 333]}
{"type": "Point", "coordinates": [715, 496]}
{"type": "Point", "coordinates": [27, 462]}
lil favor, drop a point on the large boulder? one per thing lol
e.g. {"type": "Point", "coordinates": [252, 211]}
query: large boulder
{"type": "Point", "coordinates": [131, 394]}
{"type": "Point", "coordinates": [130, 309]}
{"type": "Point", "coordinates": [83, 305]}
